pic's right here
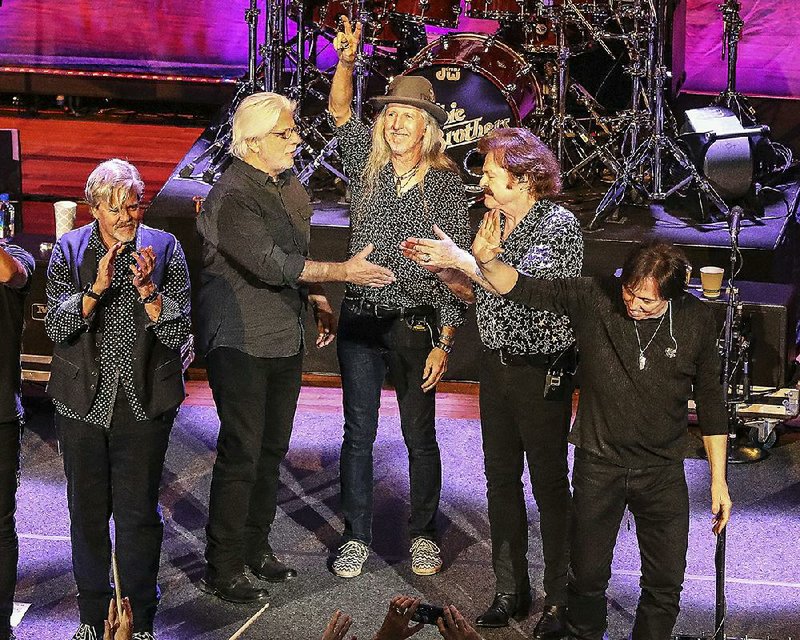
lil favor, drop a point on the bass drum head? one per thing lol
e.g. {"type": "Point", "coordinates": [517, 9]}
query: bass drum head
{"type": "Point", "coordinates": [474, 107]}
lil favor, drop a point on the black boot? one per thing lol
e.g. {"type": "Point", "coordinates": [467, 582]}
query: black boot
{"type": "Point", "coordinates": [269, 568]}
{"type": "Point", "coordinates": [552, 624]}
{"type": "Point", "coordinates": [239, 589]}
{"type": "Point", "coordinates": [504, 607]}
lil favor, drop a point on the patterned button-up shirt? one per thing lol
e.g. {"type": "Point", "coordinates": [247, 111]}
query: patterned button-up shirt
{"type": "Point", "coordinates": [547, 243]}
{"type": "Point", "coordinates": [385, 219]}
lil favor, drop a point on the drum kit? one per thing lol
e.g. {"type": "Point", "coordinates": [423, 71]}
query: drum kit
{"type": "Point", "coordinates": [520, 75]}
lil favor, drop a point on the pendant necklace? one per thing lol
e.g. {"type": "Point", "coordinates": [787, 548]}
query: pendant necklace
{"type": "Point", "coordinates": [642, 357]}
{"type": "Point", "coordinates": [401, 180]}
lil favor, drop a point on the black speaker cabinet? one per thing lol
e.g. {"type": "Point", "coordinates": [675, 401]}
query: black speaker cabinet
{"type": "Point", "coordinates": [771, 310]}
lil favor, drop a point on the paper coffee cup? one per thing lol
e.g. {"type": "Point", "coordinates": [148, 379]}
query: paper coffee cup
{"type": "Point", "coordinates": [711, 281]}
{"type": "Point", "coordinates": [65, 211]}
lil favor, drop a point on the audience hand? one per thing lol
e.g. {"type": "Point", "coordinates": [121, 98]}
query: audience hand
{"type": "Point", "coordinates": [395, 624]}
{"type": "Point", "coordinates": [119, 627]}
{"type": "Point", "coordinates": [454, 627]}
{"type": "Point", "coordinates": [338, 626]}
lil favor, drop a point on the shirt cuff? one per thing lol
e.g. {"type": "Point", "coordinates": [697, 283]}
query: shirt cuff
{"type": "Point", "coordinates": [170, 311]}
{"type": "Point", "coordinates": [292, 268]}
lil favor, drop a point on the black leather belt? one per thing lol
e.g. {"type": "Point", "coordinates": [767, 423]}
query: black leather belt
{"type": "Point", "coordinates": [365, 307]}
{"type": "Point", "coordinates": [522, 359]}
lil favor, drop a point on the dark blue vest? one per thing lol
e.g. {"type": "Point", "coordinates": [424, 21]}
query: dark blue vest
{"type": "Point", "coordinates": [157, 371]}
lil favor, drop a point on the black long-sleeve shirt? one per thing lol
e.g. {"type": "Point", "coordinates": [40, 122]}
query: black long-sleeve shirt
{"type": "Point", "coordinates": [629, 416]}
{"type": "Point", "coordinates": [256, 233]}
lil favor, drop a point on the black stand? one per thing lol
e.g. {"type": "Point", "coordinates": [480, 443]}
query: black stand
{"type": "Point", "coordinates": [731, 34]}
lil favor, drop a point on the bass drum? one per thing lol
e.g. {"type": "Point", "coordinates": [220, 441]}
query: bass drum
{"type": "Point", "coordinates": [483, 84]}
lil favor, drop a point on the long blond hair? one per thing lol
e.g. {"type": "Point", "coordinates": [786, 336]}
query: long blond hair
{"type": "Point", "coordinates": [433, 154]}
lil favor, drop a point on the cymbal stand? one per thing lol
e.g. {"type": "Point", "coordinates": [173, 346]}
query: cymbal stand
{"type": "Point", "coordinates": [274, 47]}
{"type": "Point", "coordinates": [213, 156]}
{"type": "Point", "coordinates": [361, 66]}
{"type": "Point", "coordinates": [731, 34]}
{"type": "Point", "coordinates": [642, 172]}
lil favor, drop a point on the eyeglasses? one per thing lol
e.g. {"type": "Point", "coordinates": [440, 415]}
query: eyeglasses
{"type": "Point", "coordinates": [286, 133]}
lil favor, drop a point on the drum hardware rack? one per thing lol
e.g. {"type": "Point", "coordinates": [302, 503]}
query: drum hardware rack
{"type": "Point", "coordinates": [642, 174]}
{"type": "Point", "coordinates": [731, 34]}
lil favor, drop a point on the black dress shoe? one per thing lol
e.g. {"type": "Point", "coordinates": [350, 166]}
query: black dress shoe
{"type": "Point", "coordinates": [271, 569]}
{"type": "Point", "coordinates": [552, 624]}
{"type": "Point", "coordinates": [504, 607]}
{"type": "Point", "coordinates": [239, 589]}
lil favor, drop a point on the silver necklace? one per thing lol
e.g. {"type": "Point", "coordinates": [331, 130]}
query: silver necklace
{"type": "Point", "coordinates": [642, 358]}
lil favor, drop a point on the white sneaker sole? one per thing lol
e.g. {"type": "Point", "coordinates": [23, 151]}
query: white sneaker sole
{"type": "Point", "coordinates": [426, 571]}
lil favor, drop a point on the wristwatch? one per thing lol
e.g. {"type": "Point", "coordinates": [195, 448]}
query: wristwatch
{"type": "Point", "coordinates": [87, 291]}
{"type": "Point", "coordinates": [151, 297]}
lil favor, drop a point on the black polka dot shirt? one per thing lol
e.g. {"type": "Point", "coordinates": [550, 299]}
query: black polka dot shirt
{"type": "Point", "coordinates": [547, 243]}
{"type": "Point", "coordinates": [116, 367]}
{"type": "Point", "coordinates": [386, 219]}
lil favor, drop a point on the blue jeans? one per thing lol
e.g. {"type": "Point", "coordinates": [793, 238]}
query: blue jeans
{"type": "Point", "coordinates": [368, 347]}
{"type": "Point", "coordinates": [659, 501]}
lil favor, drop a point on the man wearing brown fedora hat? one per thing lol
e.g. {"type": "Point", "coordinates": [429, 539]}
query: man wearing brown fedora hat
{"type": "Point", "coordinates": [402, 183]}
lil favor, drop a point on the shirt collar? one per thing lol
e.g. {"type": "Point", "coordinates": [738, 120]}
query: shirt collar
{"type": "Point", "coordinates": [259, 176]}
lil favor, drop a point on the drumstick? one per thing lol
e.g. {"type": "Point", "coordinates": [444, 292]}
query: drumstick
{"type": "Point", "coordinates": [117, 586]}
{"type": "Point", "coordinates": [247, 624]}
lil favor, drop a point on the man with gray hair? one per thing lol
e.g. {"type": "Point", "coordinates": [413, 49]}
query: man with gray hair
{"type": "Point", "coordinates": [256, 283]}
{"type": "Point", "coordinates": [118, 314]}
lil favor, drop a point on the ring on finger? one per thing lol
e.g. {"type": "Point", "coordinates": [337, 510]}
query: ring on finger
{"type": "Point", "coordinates": [426, 257]}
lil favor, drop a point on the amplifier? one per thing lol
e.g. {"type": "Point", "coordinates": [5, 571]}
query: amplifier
{"type": "Point", "coordinates": [771, 310]}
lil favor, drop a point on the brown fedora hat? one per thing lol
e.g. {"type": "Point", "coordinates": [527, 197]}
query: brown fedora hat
{"type": "Point", "coordinates": [414, 91]}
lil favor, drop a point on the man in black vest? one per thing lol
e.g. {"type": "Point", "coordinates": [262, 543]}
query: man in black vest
{"type": "Point", "coordinates": [118, 313]}
{"type": "Point", "coordinates": [16, 267]}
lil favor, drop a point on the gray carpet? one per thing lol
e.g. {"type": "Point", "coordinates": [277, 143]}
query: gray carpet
{"type": "Point", "coordinates": [764, 581]}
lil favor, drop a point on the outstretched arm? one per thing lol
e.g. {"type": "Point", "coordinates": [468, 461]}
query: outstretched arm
{"type": "Point", "coordinates": [340, 98]}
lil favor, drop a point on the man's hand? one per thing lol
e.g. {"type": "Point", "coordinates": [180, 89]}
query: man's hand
{"type": "Point", "coordinates": [143, 268]}
{"type": "Point", "coordinates": [721, 505]}
{"type": "Point", "coordinates": [338, 626]}
{"type": "Point", "coordinates": [346, 42]}
{"type": "Point", "coordinates": [395, 624]}
{"type": "Point", "coordinates": [105, 269]}
{"type": "Point", "coordinates": [486, 245]}
{"type": "Point", "coordinates": [358, 270]}
{"type": "Point", "coordinates": [119, 627]}
{"type": "Point", "coordinates": [454, 627]}
{"type": "Point", "coordinates": [434, 255]}
{"type": "Point", "coordinates": [435, 367]}
{"type": "Point", "coordinates": [325, 319]}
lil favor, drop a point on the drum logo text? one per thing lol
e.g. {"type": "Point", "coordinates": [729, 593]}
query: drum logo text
{"type": "Point", "coordinates": [451, 74]}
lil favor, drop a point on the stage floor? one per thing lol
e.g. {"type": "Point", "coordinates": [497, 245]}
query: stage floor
{"type": "Point", "coordinates": [763, 587]}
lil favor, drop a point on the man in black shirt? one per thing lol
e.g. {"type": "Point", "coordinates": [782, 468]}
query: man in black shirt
{"type": "Point", "coordinates": [256, 282]}
{"type": "Point", "coordinates": [645, 347]}
{"type": "Point", "coordinates": [16, 267]}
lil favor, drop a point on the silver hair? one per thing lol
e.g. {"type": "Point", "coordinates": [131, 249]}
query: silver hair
{"type": "Point", "coordinates": [112, 182]}
{"type": "Point", "coordinates": [255, 117]}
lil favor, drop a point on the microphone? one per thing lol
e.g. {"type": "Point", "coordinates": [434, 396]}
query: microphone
{"type": "Point", "coordinates": [735, 222]}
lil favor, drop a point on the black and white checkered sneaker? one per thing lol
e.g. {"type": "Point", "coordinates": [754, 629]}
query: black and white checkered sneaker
{"type": "Point", "coordinates": [426, 557]}
{"type": "Point", "coordinates": [85, 632]}
{"type": "Point", "coordinates": [350, 558]}
{"type": "Point", "coordinates": [144, 635]}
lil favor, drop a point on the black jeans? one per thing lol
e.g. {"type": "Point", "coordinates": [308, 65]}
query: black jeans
{"type": "Point", "coordinates": [256, 400]}
{"type": "Point", "coordinates": [9, 545]}
{"type": "Point", "coordinates": [367, 348]}
{"type": "Point", "coordinates": [115, 471]}
{"type": "Point", "coordinates": [518, 424]}
{"type": "Point", "coordinates": [659, 501]}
